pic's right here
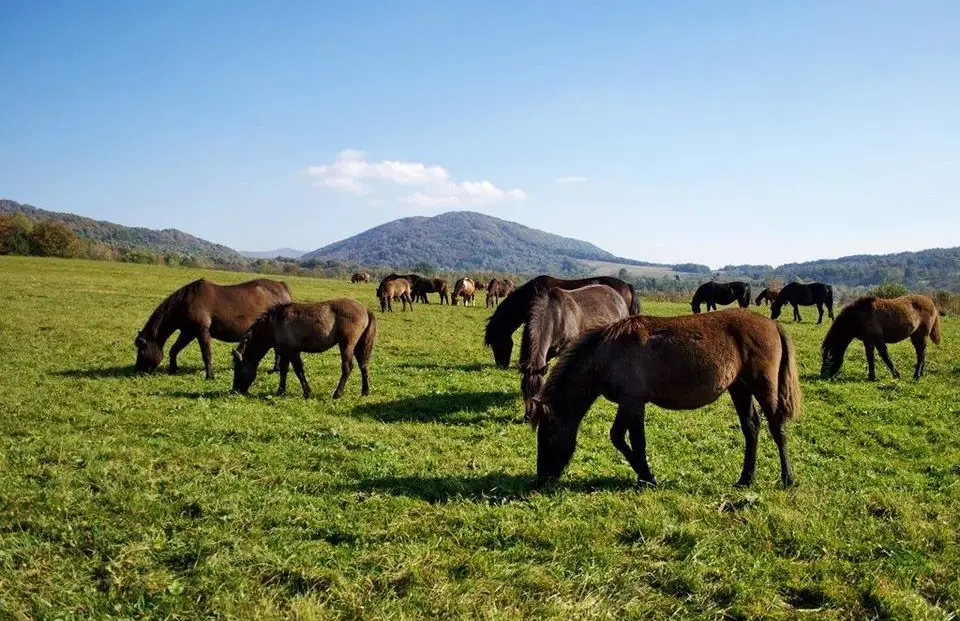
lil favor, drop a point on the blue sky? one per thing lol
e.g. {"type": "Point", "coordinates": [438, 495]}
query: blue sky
{"type": "Point", "coordinates": [760, 132]}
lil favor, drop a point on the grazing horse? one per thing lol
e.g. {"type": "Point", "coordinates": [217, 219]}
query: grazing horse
{"type": "Point", "coordinates": [481, 286]}
{"type": "Point", "coordinates": [767, 295]}
{"type": "Point", "coordinates": [464, 288]}
{"type": "Point", "coordinates": [308, 327]}
{"type": "Point", "coordinates": [413, 279]}
{"type": "Point", "coordinates": [431, 285]}
{"type": "Point", "coordinates": [393, 289]}
{"type": "Point", "coordinates": [677, 363]}
{"type": "Point", "coordinates": [360, 277]}
{"type": "Point", "coordinates": [804, 295]}
{"type": "Point", "coordinates": [713, 293]}
{"type": "Point", "coordinates": [202, 310]}
{"type": "Point", "coordinates": [515, 308]}
{"type": "Point", "coordinates": [876, 322]}
{"type": "Point", "coordinates": [498, 288]}
{"type": "Point", "coordinates": [557, 319]}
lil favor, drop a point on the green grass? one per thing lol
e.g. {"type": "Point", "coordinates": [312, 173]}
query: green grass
{"type": "Point", "coordinates": [167, 497]}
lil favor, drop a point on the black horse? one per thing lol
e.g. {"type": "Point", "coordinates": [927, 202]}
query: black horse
{"type": "Point", "coordinates": [796, 295]}
{"type": "Point", "coordinates": [713, 293]}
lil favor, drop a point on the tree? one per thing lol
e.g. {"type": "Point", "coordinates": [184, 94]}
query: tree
{"type": "Point", "coordinates": [15, 234]}
{"type": "Point", "coordinates": [53, 239]}
{"type": "Point", "coordinates": [890, 290]}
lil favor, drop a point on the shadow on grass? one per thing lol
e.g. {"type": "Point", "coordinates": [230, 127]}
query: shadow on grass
{"type": "Point", "coordinates": [452, 408]}
{"type": "Point", "coordinates": [104, 373]}
{"type": "Point", "coordinates": [470, 368]}
{"type": "Point", "coordinates": [494, 488]}
{"type": "Point", "coordinates": [196, 394]}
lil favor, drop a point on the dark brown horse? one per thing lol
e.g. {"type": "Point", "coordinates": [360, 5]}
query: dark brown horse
{"type": "Point", "coordinates": [515, 308]}
{"type": "Point", "coordinates": [360, 277]}
{"type": "Point", "coordinates": [308, 327]}
{"type": "Point", "coordinates": [498, 288]}
{"type": "Point", "coordinates": [767, 295]}
{"type": "Point", "coordinates": [413, 279]}
{"type": "Point", "coordinates": [394, 289]}
{"type": "Point", "coordinates": [798, 295]}
{"type": "Point", "coordinates": [677, 363]}
{"type": "Point", "coordinates": [431, 285]}
{"type": "Point", "coordinates": [557, 319]}
{"type": "Point", "coordinates": [713, 293]}
{"type": "Point", "coordinates": [205, 311]}
{"type": "Point", "coordinates": [464, 288]}
{"type": "Point", "coordinates": [876, 322]}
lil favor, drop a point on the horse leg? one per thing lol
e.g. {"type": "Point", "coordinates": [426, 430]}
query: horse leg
{"type": "Point", "coordinates": [767, 397]}
{"type": "Point", "coordinates": [750, 426]}
{"type": "Point", "coordinates": [284, 369]}
{"type": "Point", "coordinates": [276, 362]}
{"type": "Point", "coordinates": [796, 313]}
{"type": "Point", "coordinates": [820, 310]}
{"type": "Point", "coordinates": [638, 441]}
{"type": "Point", "coordinates": [297, 363]}
{"type": "Point", "coordinates": [871, 361]}
{"type": "Point", "coordinates": [885, 356]}
{"type": "Point", "coordinates": [363, 361]}
{"type": "Point", "coordinates": [183, 339]}
{"type": "Point", "coordinates": [346, 366]}
{"type": "Point", "coordinates": [919, 344]}
{"type": "Point", "coordinates": [205, 351]}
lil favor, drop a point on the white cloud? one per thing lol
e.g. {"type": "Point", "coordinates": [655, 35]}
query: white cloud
{"type": "Point", "coordinates": [352, 172]}
{"type": "Point", "coordinates": [571, 179]}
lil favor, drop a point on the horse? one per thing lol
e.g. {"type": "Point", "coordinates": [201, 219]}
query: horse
{"type": "Point", "coordinates": [464, 288]}
{"type": "Point", "coordinates": [413, 279]}
{"type": "Point", "coordinates": [767, 295]}
{"type": "Point", "coordinates": [515, 308]}
{"type": "Point", "coordinates": [203, 310]}
{"type": "Point", "coordinates": [876, 322]}
{"type": "Point", "coordinates": [395, 288]}
{"type": "Point", "coordinates": [481, 286]}
{"type": "Point", "coordinates": [360, 277]}
{"type": "Point", "coordinates": [677, 363]}
{"type": "Point", "coordinates": [311, 327]}
{"type": "Point", "coordinates": [713, 293]}
{"type": "Point", "coordinates": [557, 319]}
{"type": "Point", "coordinates": [498, 289]}
{"type": "Point", "coordinates": [431, 285]}
{"type": "Point", "coordinates": [804, 295]}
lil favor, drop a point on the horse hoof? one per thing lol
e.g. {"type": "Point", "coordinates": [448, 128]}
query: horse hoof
{"type": "Point", "coordinates": [647, 483]}
{"type": "Point", "coordinates": [337, 395]}
{"type": "Point", "coordinates": [740, 484]}
{"type": "Point", "coordinates": [788, 483]}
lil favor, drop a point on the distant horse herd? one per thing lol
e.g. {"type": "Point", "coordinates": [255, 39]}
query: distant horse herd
{"type": "Point", "coordinates": [593, 325]}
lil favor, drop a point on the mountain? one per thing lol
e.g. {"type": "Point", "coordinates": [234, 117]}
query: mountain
{"type": "Point", "coordinates": [466, 240]}
{"type": "Point", "coordinates": [166, 241]}
{"type": "Point", "coordinates": [287, 253]}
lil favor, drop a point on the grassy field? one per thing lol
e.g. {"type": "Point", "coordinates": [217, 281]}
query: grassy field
{"type": "Point", "coordinates": [164, 496]}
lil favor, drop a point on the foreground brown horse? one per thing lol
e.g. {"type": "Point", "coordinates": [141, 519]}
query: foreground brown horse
{"type": "Point", "coordinates": [394, 289]}
{"type": "Point", "coordinates": [796, 294]}
{"type": "Point", "coordinates": [767, 295]}
{"type": "Point", "coordinates": [713, 293]}
{"type": "Point", "coordinates": [202, 310]}
{"type": "Point", "coordinates": [498, 288]}
{"type": "Point", "coordinates": [360, 277]}
{"type": "Point", "coordinates": [464, 288]}
{"type": "Point", "coordinates": [515, 308]}
{"type": "Point", "coordinates": [431, 285]}
{"type": "Point", "coordinates": [677, 363]}
{"type": "Point", "coordinates": [308, 327]}
{"type": "Point", "coordinates": [876, 322]}
{"type": "Point", "coordinates": [558, 318]}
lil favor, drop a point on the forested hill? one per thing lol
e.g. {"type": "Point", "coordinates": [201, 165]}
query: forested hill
{"type": "Point", "coordinates": [937, 268]}
{"type": "Point", "coordinates": [166, 241]}
{"type": "Point", "coordinates": [466, 240]}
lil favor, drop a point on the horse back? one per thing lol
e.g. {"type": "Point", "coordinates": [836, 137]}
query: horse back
{"type": "Point", "coordinates": [318, 326]}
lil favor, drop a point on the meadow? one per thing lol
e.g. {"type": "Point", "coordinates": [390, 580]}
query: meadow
{"type": "Point", "coordinates": [126, 496]}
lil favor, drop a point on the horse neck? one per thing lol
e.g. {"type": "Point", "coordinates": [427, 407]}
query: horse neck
{"type": "Point", "coordinates": [841, 333]}
{"type": "Point", "coordinates": [258, 341]}
{"type": "Point", "coordinates": [575, 383]}
{"type": "Point", "coordinates": [163, 322]}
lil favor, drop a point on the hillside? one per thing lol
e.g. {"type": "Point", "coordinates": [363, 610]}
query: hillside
{"type": "Point", "coordinates": [287, 253]}
{"type": "Point", "coordinates": [936, 268]}
{"type": "Point", "coordinates": [466, 240]}
{"type": "Point", "coordinates": [166, 241]}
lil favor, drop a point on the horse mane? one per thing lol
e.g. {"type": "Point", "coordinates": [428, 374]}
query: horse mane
{"type": "Point", "coordinates": [512, 310]}
{"type": "Point", "coordinates": [841, 330]}
{"type": "Point", "coordinates": [265, 319]}
{"type": "Point", "coordinates": [169, 305]}
{"type": "Point", "coordinates": [534, 338]}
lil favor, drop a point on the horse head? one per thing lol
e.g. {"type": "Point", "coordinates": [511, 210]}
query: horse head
{"type": "Point", "coordinates": [149, 353]}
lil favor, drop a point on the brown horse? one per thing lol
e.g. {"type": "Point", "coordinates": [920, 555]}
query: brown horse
{"type": "Point", "coordinates": [498, 288]}
{"type": "Point", "coordinates": [464, 288]}
{"type": "Point", "coordinates": [557, 320]}
{"type": "Point", "coordinates": [431, 285]}
{"type": "Point", "coordinates": [515, 308]}
{"type": "Point", "coordinates": [677, 363]}
{"type": "Point", "coordinates": [202, 310]}
{"type": "Point", "coordinates": [396, 288]}
{"type": "Point", "coordinates": [713, 293]}
{"type": "Point", "coordinates": [876, 322]}
{"type": "Point", "coordinates": [767, 295]}
{"type": "Point", "coordinates": [481, 286]}
{"type": "Point", "coordinates": [360, 277]}
{"type": "Point", "coordinates": [308, 327]}
{"type": "Point", "coordinates": [413, 279]}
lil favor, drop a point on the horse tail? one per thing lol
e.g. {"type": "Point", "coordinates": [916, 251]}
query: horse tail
{"type": "Point", "coordinates": [935, 329]}
{"type": "Point", "coordinates": [830, 299]}
{"type": "Point", "coordinates": [745, 298]}
{"type": "Point", "coordinates": [364, 346]}
{"type": "Point", "coordinates": [634, 301]}
{"type": "Point", "coordinates": [789, 397]}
